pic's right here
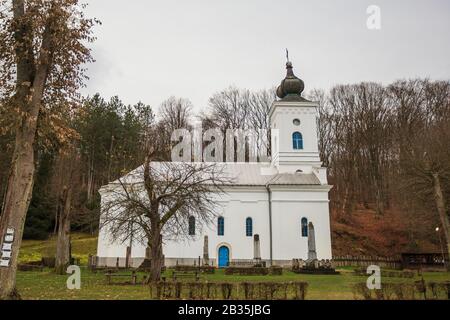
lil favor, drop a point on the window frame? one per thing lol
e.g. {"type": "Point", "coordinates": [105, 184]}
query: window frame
{"type": "Point", "coordinates": [220, 226]}
{"type": "Point", "coordinates": [249, 227]}
{"type": "Point", "coordinates": [297, 140]}
{"type": "Point", "coordinates": [304, 227]}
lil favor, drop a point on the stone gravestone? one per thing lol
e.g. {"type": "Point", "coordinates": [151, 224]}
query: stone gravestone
{"type": "Point", "coordinates": [147, 263]}
{"type": "Point", "coordinates": [256, 250]}
{"type": "Point", "coordinates": [205, 251]}
{"type": "Point", "coordinates": [312, 255]}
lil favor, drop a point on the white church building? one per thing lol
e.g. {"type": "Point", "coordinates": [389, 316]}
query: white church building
{"type": "Point", "coordinates": [278, 200]}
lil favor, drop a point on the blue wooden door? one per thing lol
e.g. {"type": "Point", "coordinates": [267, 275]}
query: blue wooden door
{"type": "Point", "coordinates": [224, 257]}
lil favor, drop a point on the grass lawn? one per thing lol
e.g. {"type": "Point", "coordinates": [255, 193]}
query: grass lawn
{"type": "Point", "coordinates": [34, 250]}
{"type": "Point", "coordinates": [47, 285]}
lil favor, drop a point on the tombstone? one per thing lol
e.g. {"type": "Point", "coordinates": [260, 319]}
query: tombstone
{"type": "Point", "coordinates": [205, 251]}
{"type": "Point", "coordinates": [295, 264]}
{"type": "Point", "coordinates": [256, 250]}
{"type": "Point", "coordinates": [128, 258]}
{"type": "Point", "coordinates": [316, 263]}
{"type": "Point", "coordinates": [312, 255]}
{"type": "Point", "coordinates": [301, 263]}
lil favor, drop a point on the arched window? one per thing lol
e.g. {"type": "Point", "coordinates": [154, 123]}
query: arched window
{"type": "Point", "coordinates": [249, 227]}
{"type": "Point", "coordinates": [304, 227]}
{"type": "Point", "coordinates": [220, 226]}
{"type": "Point", "coordinates": [297, 141]}
{"type": "Point", "coordinates": [192, 226]}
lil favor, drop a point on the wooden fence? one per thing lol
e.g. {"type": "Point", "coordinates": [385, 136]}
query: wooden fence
{"type": "Point", "coordinates": [365, 261]}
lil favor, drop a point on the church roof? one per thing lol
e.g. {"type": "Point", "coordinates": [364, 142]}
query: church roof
{"type": "Point", "coordinates": [260, 174]}
{"type": "Point", "coordinates": [243, 174]}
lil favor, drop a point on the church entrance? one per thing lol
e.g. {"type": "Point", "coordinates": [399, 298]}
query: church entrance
{"type": "Point", "coordinates": [224, 256]}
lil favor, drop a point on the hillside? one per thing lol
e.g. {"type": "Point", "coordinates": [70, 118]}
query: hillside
{"type": "Point", "coordinates": [82, 246]}
{"type": "Point", "coordinates": [373, 235]}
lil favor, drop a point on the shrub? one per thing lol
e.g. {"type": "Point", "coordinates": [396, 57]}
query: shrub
{"type": "Point", "coordinates": [403, 291]}
{"type": "Point", "coordinates": [247, 271]}
{"type": "Point", "coordinates": [276, 270]}
{"type": "Point", "coordinates": [228, 290]}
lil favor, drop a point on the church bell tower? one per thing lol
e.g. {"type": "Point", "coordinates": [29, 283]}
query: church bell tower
{"type": "Point", "coordinates": [293, 120]}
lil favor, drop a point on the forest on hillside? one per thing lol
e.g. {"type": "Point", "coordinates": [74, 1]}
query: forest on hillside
{"type": "Point", "coordinates": [387, 149]}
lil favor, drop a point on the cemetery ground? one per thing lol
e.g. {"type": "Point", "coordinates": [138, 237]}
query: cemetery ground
{"type": "Point", "coordinates": [47, 285]}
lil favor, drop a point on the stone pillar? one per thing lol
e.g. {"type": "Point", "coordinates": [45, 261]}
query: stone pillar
{"type": "Point", "coordinates": [312, 255]}
{"type": "Point", "coordinates": [256, 250]}
{"type": "Point", "coordinates": [205, 251]}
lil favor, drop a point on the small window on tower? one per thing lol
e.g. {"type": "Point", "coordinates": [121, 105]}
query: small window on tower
{"type": "Point", "coordinates": [296, 122]}
{"type": "Point", "coordinates": [297, 141]}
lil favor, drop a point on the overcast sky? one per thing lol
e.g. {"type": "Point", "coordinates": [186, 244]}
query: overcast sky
{"type": "Point", "coordinates": [149, 50]}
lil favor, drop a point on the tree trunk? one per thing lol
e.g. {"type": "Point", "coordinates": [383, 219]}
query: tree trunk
{"type": "Point", "coordinates": [63, 243]}
{"type": "Point", "coordinates": [379, 201]}
{"type": "Point", "coordinates": [30, 81]}
{"type": "Point", "coordinates": [442, 210]}
{"type": "Point", "coordinates": [18, 196]}
{"type": "Point", "coordinates": [57, 211]}
{"type": "Point", "coordinates": [156, 255]}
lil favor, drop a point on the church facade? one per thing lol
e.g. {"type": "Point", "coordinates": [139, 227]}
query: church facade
{"type": "Point", "coordinates": [283, 203]}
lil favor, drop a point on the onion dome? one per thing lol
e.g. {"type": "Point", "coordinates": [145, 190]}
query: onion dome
{"type": "Point", "coordinates": [291, 87]}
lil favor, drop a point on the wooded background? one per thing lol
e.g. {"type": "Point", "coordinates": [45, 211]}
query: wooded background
{"type": "Point", "coordinates": [382, 145]}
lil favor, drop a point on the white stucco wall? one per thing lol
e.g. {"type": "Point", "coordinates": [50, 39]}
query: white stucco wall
{"type": "Point", "coordinates": [289, 206]}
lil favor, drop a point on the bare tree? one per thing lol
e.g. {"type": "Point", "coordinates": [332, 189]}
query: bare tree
{"type": "Point", "coordinates": [425, 150]}
{"type": "Point", "coordinates": [235, 108]}
{"type": "Point", "coordinates": [229, 109]}
{"type": "Point", "coordinates": [67, 174]}
{"type": "Point", "coordinates": [154, 204]}
{"type": "Point", "coordinates": [174, 113]}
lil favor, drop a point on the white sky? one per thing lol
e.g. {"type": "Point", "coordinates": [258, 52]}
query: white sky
{"type": "Point", "coordinates": [149, 50]}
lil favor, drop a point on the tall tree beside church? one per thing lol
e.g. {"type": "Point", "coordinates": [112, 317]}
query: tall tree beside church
{"type": "Point", "coordinates": [159, 207]}
{"type": "Point", "coordinates": [42, 51]}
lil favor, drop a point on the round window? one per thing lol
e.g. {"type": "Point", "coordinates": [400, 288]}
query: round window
{"type": "Point", "coordinates": [296, 122]}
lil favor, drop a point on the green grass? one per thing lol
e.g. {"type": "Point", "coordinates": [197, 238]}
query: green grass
{"type": "Point", "coordinates": [47, 285]}
{"type": "Point", "coordinates": [34, 250]}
